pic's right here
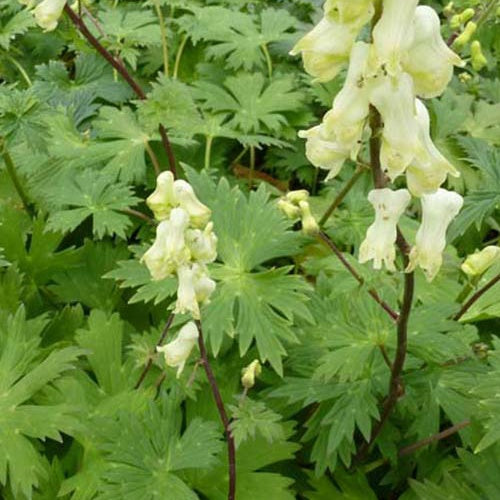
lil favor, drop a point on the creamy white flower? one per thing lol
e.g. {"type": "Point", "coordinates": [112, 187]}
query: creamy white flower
{"type": "Point", "coordinates": [394, 98]}
{"type": "Point", "coordinates": [48, 12]}
{"type": "Point", "coordinates": [353, 12]}
{"type": "Point", "coordinates": [309, 224]}
{"type": "Point", "coordinates": [250, 373]}
{"type": "Point", "coordinates": [178, 351]}
{"type": "Point", "coordinates": [289, 209]}
{"type": "Point", "coordinates": [169, 249]}
{"type": "Point", "coordinates": [325, 49]}
{"type": "Point", "coordinates": [297, 196]}
{"type": "Point", "coordinates": [186, 294]}
{"type": "Point", "coordinates": [195, 288]}
{"type": "Point", "coordinates": [429, 60]}
{"type": "Point", "coordinates": [162, 199]}
{"type": "Point", "coordinates": [381, 235]}
{"type": "Point", "coordinates": [350, 109]}
{"type": "Point", "coordinates": [199, 214]}
{"type": "Point", "coordinates": [429, 168]}
{"type": "Point", "coordinates": [394, 33]}
{"type": "Point", "coordinates": [438, 210]}
{"type": "Point", "coordinates": [479, 262]}
{"type": "Point", "coordinates": [202, 244]}
{"type": "Point", "coordinates": [324, 152]}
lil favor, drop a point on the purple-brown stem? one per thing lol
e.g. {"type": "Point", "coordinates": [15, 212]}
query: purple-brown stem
{"type": "Point", "coordinates": [231, 449]}
{"type": "Point", "coordinates": [477, 296]}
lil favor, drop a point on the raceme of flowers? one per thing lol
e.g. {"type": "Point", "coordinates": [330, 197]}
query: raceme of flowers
{"type": "Point", "coordinates": [407, 61]}
{"type": "Point", "coordinates": [185, 243]}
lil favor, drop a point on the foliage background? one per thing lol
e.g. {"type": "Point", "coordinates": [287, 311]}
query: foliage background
{"type": "Point", "coordinates": [79, 315]}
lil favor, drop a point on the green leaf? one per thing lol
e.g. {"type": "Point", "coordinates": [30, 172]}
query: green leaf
{"type": "Point", "coordinates": [253, 105]}
{"type": "Point", "coordinates": [18, 24]}
{"type": "Point", "coordinates": [98, 197]}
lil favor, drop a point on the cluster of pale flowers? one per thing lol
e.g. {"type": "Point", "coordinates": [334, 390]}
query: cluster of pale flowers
{"type": "Point", "coordinates": [406, 61]}
{"type": "Point", "coordinates": [47, 12]}
{"type": "Point", "coordinates": [185, 243]}
{"type": "Point", "coordinates": [295, 205]}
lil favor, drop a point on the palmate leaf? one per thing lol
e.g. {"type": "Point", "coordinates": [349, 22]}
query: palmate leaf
{"type": "Point", "coordinates": [252, 304]}
{"type": "Point", "coordinates": [93, 195]}
{"type": "Point", "coordinates": [145, 453]}
{"type": "Point", "coordinates": [253, 105]}
{"type": "Point", "coordinates": [18, 24]}
{"type": "Point", "coordinates": [24, 372]}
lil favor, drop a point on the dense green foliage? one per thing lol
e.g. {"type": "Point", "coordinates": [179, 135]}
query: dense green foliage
{"type": "Point", "coordinates": [80, 316]}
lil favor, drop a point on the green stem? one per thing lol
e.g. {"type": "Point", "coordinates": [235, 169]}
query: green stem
{"type": "Point", "coordinates": [240, 155]}
{"type": "Point", "coordinates": [164, 39]}
{"type": "Point", "coordinates": [208, 151]}
{"type": "Point", "coordinates": [11, 170]}
{"type": "Point", "coordinates": [20, 68]}
{"type": "Point", "coordinates": [269, 61]}
{"type": "Point", "coordinates": [178, 56]}
{"type": "Point", "coordinates": [252, 166]}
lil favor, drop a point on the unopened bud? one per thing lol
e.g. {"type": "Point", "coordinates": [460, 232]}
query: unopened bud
{"type": "Point", "coordinates": [309, 224]}
{"type": "Point", "coordinates": [479, 262]}
{"type": "Point", "coordinates": [466, 35]}
{"type": "Point", "coordinates": [289, 209]}
{"type": "Point", "coordinates": [297, 196]}
{"type": "Point", "coordinates": [250, 373]}
{"type": "Point", "coordinates": [464, 77]}
{"type": "Point", "coordinates": [449, 9]}
{"type": "Point", "coordinates": [478, 59]}
{"type": "Point", "coordinates": [467, 15]}
{"type": "Point", "coordinates": [455, 22]}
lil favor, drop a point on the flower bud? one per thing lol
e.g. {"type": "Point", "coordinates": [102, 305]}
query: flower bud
{"type": "Point", "coordinates": [162, 200]}
{"type": "Point", "coordinates": [448, 9]}
{"type": "Point", "coordinates": [204, 286]}
{"type": "Point", "coordinates": [464, 38]}
{"type": "Point", "coordinates": [464, 77]}
{"type": "Point", "coordinates": [250, 373]}
{"type": "Point", "coordinates": [177, 352]}
{"type": "Point", "coordinates": [479, 262]}
{"type": "Point", "coordinates": [309, 224]}
{"type": "Point", "coordinates": [438, 210]}
{"type": "Point", "coordinates": [381, 235]}
{"type": "Point", "coordinates": [48, 12]}
{"type": "Point", "coordinates": [467, 15]}
{"type": "Point", "coordinates": [199, 214]}
{"type": "Point", "coordinates": [455, 22]}
{"type": "Point", "coordinates": [296, 197]}
{"type": "Point", "coordinates": [289, 209]}
{"type": "Point", "coordinates": [478, 59]}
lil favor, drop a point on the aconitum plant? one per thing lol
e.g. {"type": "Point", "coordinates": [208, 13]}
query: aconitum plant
{"type": "Point", "coordinates": [227, 271]}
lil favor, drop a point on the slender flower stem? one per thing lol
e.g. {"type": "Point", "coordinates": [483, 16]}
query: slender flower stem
{"type": "Point", "coordinates": [323, 237]}
{"type": "Point", "coordinates": [269, 61]}
{"type": "Point", "coordinates": [164, 39]}
{"type": "Point", "coordinates": [231, 450]}
{"type": "Point", "coordinates": [252, 166]}
{"type": "Point", "coordinates": [20, 68]}
{"type": "Point", "coordinates": [342, 194]}
{"type": "Point", "coordinates": [11, 170]}
{"type": "Point", "coordinates": [152, 157]}
{"type": "Point", "coordinates": [477, 296]}
{"type": "Point", "coordinates": [139, 215]}
{"type": "Point", "coordinates": [164, 332]}
{"type": "Point", "coordinates": [208, 150]}
{"type": "Point", "coordinates": [178, 56]}
{"type": "Point", "coordinates": [118, 65]}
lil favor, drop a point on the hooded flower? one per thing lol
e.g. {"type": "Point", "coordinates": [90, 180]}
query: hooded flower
{"type": "Point", "coordinates": [381, 235]}
{"type": "Point", "coordinates": [346, 119]}
{"type": "Point", "coordinates": [309, 224]}
{"type": "Point", "coordinates": [162, 198]}
{"type": "Point", "coordinates": [289, 209]}
{"type": "Point", "coordinates": [325, 49]}
{"type": "Point", "coordinates": [202, 244]}
{"type": "Point", "coordinates": [354, 12]}
{"type": "Point", "coordinates": [394, 33]}
{"type": "Point", "coordinates": [48, 12]}
{"type": "Point", "coordinates": [429, 60]}
{"type": "Point", "coordinates": [323, 151]}
{"type": "Point", "coordinates": [438, 210]}
{"type": "Point", "coordinates": [429, 168]}
{"type": "Point", "coordinates": [479, 262]}
{"type": "Point", "coordinates": [394, 99]}
{"type": "Point", "coordinates": [195, 288]}
{"type": "Point", "coordinates": [199, 214]}
{"type": "Point", "coordinates": [204, 286]}
{"type": "Point", "coordinates": [177, 352]}
{"type": "Point", "coordinates": [169, 249]}
{"type": "Point", "coordinates": [250, 373]}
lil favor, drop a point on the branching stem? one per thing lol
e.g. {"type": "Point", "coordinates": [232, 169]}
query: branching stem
{"type": "Point", "coordinates": [231, 450]}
